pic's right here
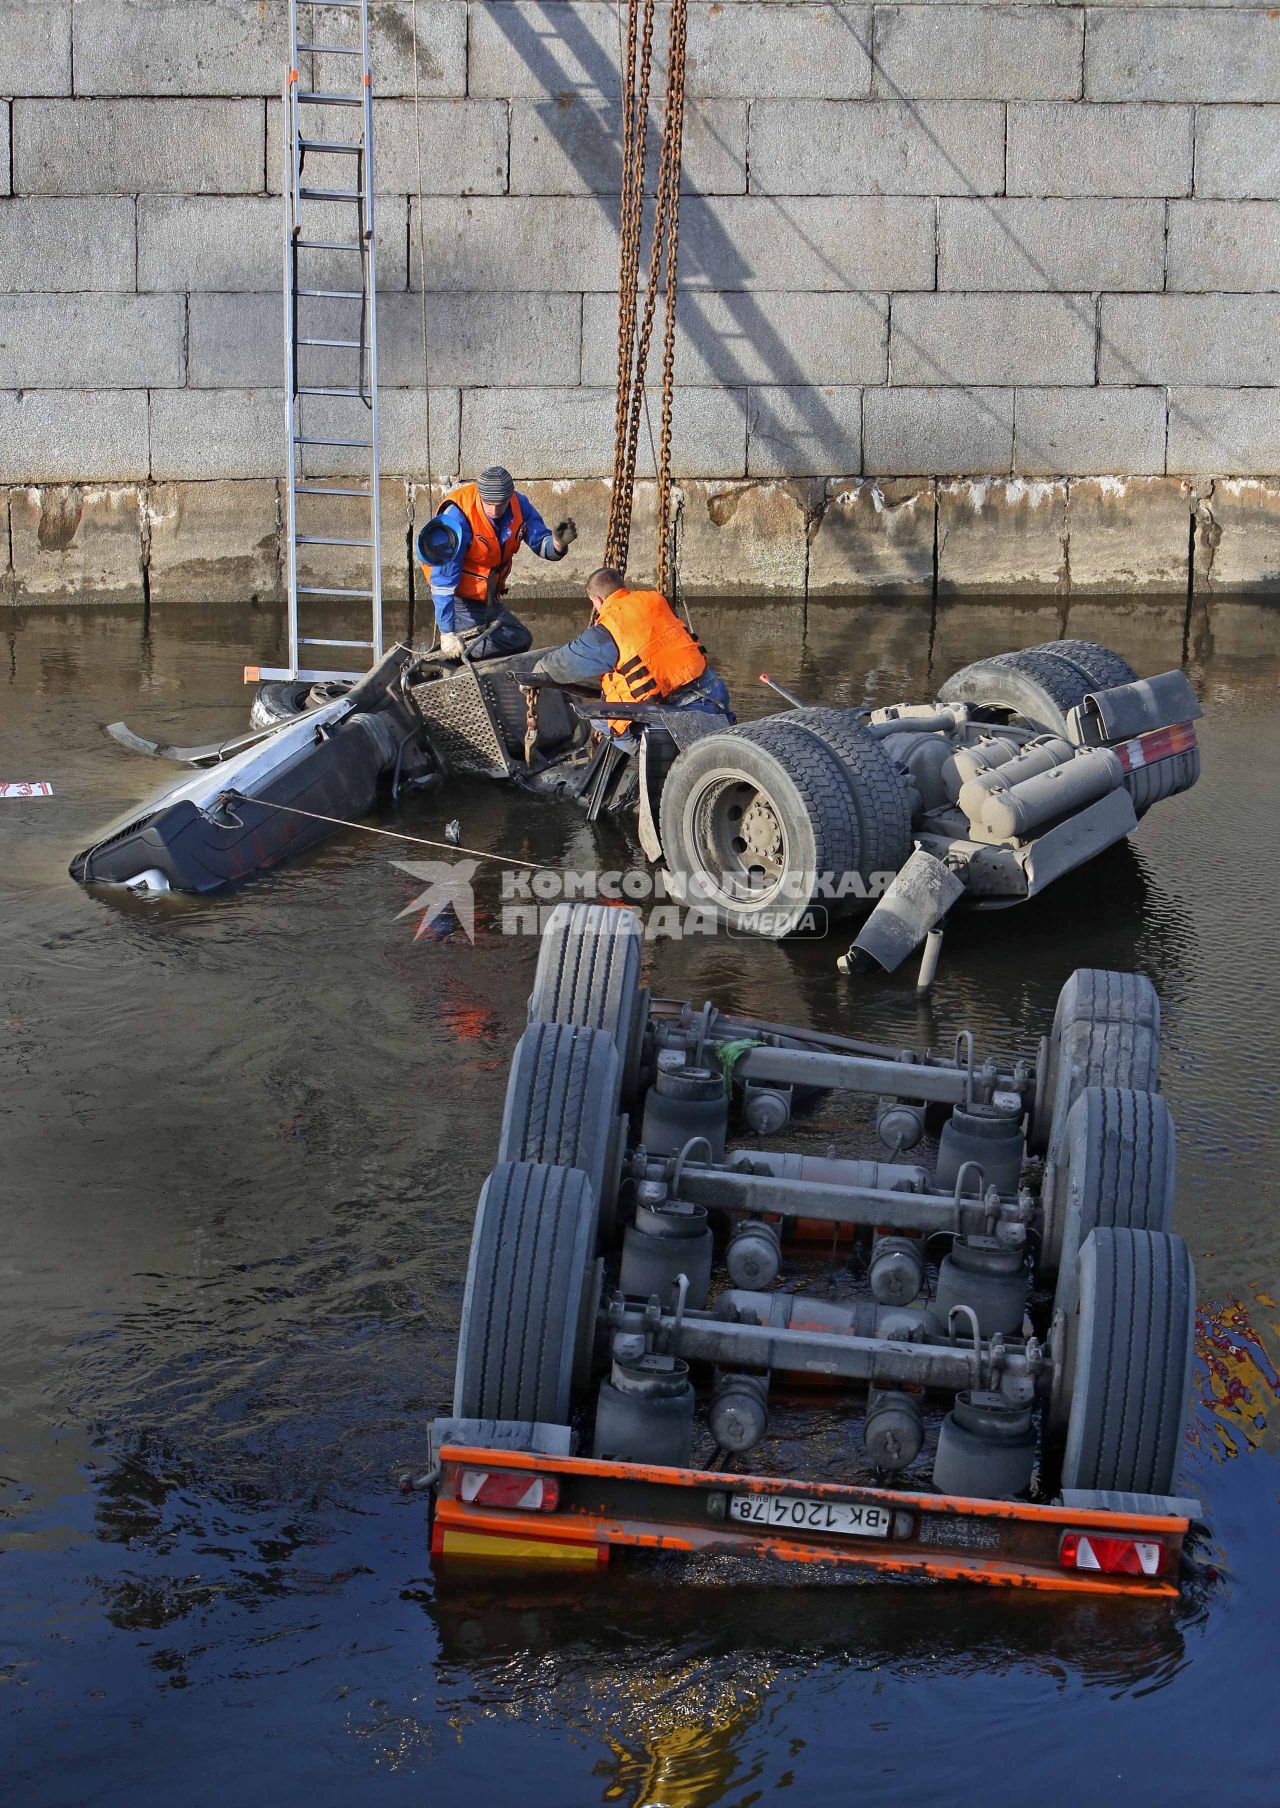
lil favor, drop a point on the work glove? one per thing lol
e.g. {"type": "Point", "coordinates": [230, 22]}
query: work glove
{"type": "Point", "coordinates": [451, 645]}
{"type": "Point", "coordinates": [565, 533]}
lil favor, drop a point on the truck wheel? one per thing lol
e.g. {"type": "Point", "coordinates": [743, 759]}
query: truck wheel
{"type": "Point", "coordinates": [562, 1106]}
{"type": "Point", "coordinates": [528, 1282]}
{"type": "Point", "coordinates": [285, 701]}
{"type": "Point", "coordinates": [1100, 665]}
{"type": "Point", "coordinates": [1119, 1160]}
{"type": "Point", "coordinates": [1092, 995]}
{"type": "Point", "coordinates": [589, 974]}
{"type": "Point", "coordinates": [1039, 686]}
{"type": "Point", "coordinates": [1130, 1342]}
{"type": "Point", "coordinates": [753, 822]}
{"type": "Point", "coordinates": [881, 800]}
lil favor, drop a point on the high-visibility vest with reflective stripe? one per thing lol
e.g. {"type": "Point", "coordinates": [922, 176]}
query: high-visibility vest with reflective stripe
{"type": "Point", "coordinates": [656, 652]}
{"type": "Point", "coordinates": [486, 563]}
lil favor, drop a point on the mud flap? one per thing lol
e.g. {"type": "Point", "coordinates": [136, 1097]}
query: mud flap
{"type": "Point", "coordinates": [1077, 839]}
{"type": "Point", "coordinates": [915, 903]}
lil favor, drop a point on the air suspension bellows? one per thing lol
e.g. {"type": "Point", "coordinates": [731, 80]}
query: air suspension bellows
{"type": "Point", "coordinates": [682, 1103]}
{"type": "Point", "coordinates": [669, 1238]}
{"type": "Point", "coordinates": [986, 1447]}
{"type": "Point", "coordinates": [645, 1412]}
{"type": "Point", "coordinates": [986, 1135]}
{"type": "Point", "coordinates": [991, 1279]}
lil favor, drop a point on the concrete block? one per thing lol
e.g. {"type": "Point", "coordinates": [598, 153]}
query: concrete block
{"type": "Point", "coordinates": [214, 542]}
{"type": "Point", "coordinates": [179, 47]}
{"type": "Point", "coordinates": [441, 48]}
{"type": "Point", "coordinates": [1080, 432]}
{"type": "Point", "coordinates": [92, 341]}
{"type": "Point", "coordinates": [818, 51]}
{"type": "Point", "coordinates": [992, 339]}
{"type": "Point", "coordinates": [756, 337]}
{"type": "Point", "coordinates": [867, 242]}
{"type": "Point", "coordinates": [346, 517]}
{"type": "Point", "coordinates": [72, 435]}
{"type": "Point", "coordinates": [524, 49]}
{"type": "Point", "coordinates": [402, 432]}
{"type": "Point", "coordinates": [125, 147]}
{"type": "Point", "coordinates": [1057, 148]}
{"type": "Point", "coordinates": [708, 437]}
{"type": "Point", "coordinates": [235, 340]}
{"type": "Point", "coordinates": [1237, 545]}
{"type": "Point", "coordinates": [464, 149]}
{"type": "Point", "coordinates": [803, 430]}
{"type": "Point", "coordinates": [957, 432]}
{"type": "Point", "coordinates": [67, 244]}
{"type": "Point", "coordinates": [822, 147]}
{"type": "Point", "coordinates": [1238, 152]}
{"type": "Point", "coordinates": [873, 535]}
{"type": "Point", "coordinates": [35, 47]}
{"type": "Point", "coordinates": [743, 539]}
{"type": "Point", "coordinates": [516, 243]}
{"type": "Point", "coordinates": [587, 500]}
{"type": "Point", "coordinates": [1183, 53]}
{"type": "Point", "coordinates": [1002, 536]}
{"type": "Point", "coordinates": [227, 243]}
{"type": "Point", "coordinates": [1235, 431]}
{"type": "Point", "coordinates": [1227, 339]}
{"type": "Point", "coordinates": [978, 52]}
{"type": "Point", "coordinates": [573, 146]}
{"type": "Point", "coordinates": [1050, 244]}
{"type": "Point", "coordinates": [204, 434]}
{"type": "Point", "coordinates": [1224, 245]}
{"type": "Point", "coordinates": [78, 541]}
{"type": "Point", "coordinates": [1128, 534]}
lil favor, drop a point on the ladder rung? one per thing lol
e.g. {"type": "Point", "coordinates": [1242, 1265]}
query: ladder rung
{"type": "Point", "coordinates": [324, 540]}
{"type": "Point", "coordinates": [327, 144]}
{"type": "Point", "coordinates": [350, 345]}
{"type": "Point", "coordinates": [301, 440]}
{"type": "Point", "coordinates": [326, 245]}
{"type": "Point", "coordinates": [324, 389]}
{"type": "Point", "coordinates": [334, 294]}
{"type": "Point", "coordinates": [331, 49]}
{"type": "Point", "coordinates": [337, 6]}
{"type": "Point", "coordinates": [309, 640]}
{"type": "Point", "coordinates": [327, 489]}
{"type": "Point", "coordinates": [330, 100]}
{"type": "Point", "coordinates": [331, 194]}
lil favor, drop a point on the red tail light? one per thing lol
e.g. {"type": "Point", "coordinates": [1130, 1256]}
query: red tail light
{"type": "Point", "coordinates": [509, 1488]}
{"type": "Point", "coordinates": [1112, 1556]}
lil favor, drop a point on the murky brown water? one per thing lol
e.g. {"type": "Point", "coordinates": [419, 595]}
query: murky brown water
{"type": "Point", "coordinates": [242, 1140]}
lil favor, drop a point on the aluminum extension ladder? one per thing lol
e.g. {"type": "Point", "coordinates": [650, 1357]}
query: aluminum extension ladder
{"type": "Point", "coordinates": [324, 418]}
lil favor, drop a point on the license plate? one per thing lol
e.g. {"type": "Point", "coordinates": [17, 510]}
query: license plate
{"type": "Point", "coordinates": [800, 1515]}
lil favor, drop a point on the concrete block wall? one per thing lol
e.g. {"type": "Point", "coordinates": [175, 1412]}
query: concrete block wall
{"type": "Point", "coordinates": [946, 267]}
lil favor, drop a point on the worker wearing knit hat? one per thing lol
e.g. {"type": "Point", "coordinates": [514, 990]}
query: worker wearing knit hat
{"type": "Point", "coordinates": [466, 551]}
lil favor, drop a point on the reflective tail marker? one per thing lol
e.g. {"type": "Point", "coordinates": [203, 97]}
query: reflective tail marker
{"type": "Point", "coordinates": [1112, 1556]}
{"type": "Point", "coordinates": [496, 1488]}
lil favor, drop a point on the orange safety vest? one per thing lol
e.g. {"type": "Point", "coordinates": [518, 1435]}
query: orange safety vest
{"type": "Point", "coordinates": [656, 652]}
{"type": "Point", "coordinates": [486, 563]}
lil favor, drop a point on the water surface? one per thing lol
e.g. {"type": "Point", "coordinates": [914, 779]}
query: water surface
{"type": "Point", "coordinates": [242, 1140]}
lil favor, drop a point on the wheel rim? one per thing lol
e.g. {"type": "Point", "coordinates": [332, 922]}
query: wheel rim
{"type": "Point", "coordinates": [741, 839]}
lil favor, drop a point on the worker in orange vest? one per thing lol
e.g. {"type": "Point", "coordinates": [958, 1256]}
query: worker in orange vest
{"type": "Point", "coordinates": [466, 551]}
{"type": "Point", "coordinates": [640, 651]}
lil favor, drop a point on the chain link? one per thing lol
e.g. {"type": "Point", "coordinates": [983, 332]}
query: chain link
{"type": "Point", "coordinates": [634, 337]}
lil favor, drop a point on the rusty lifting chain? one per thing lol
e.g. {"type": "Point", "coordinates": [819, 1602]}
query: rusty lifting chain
{"type": "Point", "coordinates": [635, 324]}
